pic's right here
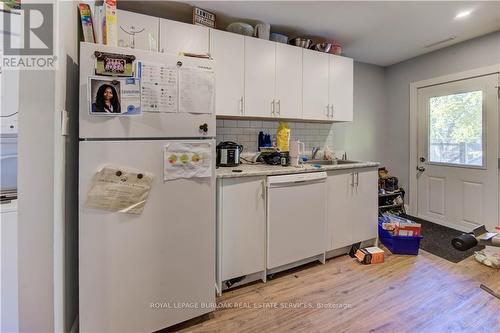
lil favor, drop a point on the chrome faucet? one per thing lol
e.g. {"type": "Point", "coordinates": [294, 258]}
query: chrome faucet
{"type": "Point", "coordinates": [314, 152]}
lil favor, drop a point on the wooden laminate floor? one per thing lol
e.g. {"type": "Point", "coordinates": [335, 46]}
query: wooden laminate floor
{"type": "Point", "coordinates": [405, 294]}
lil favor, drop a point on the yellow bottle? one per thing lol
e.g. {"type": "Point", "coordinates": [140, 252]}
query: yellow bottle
{"type": "Point", "coordinates": [283, 137]}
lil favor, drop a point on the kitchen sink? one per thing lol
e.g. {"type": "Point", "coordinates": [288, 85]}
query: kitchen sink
{"type": "Point", "coordinates": [334, 162]}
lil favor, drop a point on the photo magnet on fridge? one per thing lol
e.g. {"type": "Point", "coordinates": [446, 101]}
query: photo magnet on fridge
{"type": "Point", "coordinates": [114, 97]}
{"type": "Point", "coordinates": [113, 64]}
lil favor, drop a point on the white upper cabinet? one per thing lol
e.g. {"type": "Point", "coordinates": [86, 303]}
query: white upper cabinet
{"type": "Point", "coordinates": [315, 74]}
{"type": "Point", "coordinates": [260, 68]}
{"type": "Point", "coordinates": [341, 88]}
{"type": "Point", "coordinates": [138, 31]}
{"type": "Point", "coordinates": [228, 50]}
{"type": "Point", "coordinates": [288, 81]}
{"type": "Point", "coordinates": [178, 37]}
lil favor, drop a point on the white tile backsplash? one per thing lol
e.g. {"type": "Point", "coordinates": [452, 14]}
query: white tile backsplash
{"type": "Point", "coordinates": [246, 132]}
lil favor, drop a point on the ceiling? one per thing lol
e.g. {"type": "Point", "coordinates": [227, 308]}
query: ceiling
{"type": "Point", "coordinates": [376, 32]}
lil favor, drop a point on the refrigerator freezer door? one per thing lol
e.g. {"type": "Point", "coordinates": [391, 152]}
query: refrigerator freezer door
{"type": "Point", "coordinates": [148, 124]}
{"type": "Point", "coordinates": [142, 273]}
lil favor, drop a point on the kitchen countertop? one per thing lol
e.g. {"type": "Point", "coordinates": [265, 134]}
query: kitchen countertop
{"type": "Point", "coordinates": [259, 169]}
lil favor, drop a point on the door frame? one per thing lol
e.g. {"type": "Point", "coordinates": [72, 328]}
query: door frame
{"type": "Point", "coordinates": [414, 86]}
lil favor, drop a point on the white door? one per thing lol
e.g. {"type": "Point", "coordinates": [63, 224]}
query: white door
{"type": "Point", "coordinates": [315, 85]}
{"type": "Point", "coordinates": [138, 31]}
{"type": "Point", "coordinates": [260, 61]}
{"type": "Point", "coordinates": [458, 153]}
{"type": "Point", "coordinates": [288, 81]}
{"type": "Point", "coordinates": [133, 269]}
{"type": "Point", "coordinates": [228, 50]}
{"type": "Point", "coordinates": [341, 88]}
{"type": "Point", "coordinates": [178, 37]}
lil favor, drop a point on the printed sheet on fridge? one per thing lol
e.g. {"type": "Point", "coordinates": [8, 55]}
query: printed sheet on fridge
{"type": "Point", "coordinates": [187, 160]}
{"type": "Point", "coordinates": [119, 189]}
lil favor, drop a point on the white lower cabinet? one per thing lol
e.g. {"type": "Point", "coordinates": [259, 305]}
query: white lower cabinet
{"type": "Point", "coordinates": [352, 207]}
{"type": "Point", "coordinates": [241, 224]}
{"type": "Point", "coordinates": [366, 206]}
{"type": "Point", "coordinates": [242, 230]}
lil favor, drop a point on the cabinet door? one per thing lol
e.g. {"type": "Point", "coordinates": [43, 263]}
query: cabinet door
{"type": "Point", "coordinates": [288, 81]}
{"type": "Point", "coordinates": [260, 64]}
{"type": "Point", "coordinates": [366, 203]}
{"type": "Point", "coordinates": [315, 85]}
{"type": "Point", "coordinates": [341, 88]}
{"type": "Point", "coordinates": [138, 31]}
{"type": "Point", "coordinates": [178, 37]}
{"type": "Point", "coordinates": [340, 209]}
{"type": "Point", "coordinates": [242, 221]}
{"type": "Point", "coordinates": [228, 50]}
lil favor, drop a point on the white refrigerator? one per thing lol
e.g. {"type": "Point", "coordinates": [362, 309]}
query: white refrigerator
{"type": "Point", "coordinates": [142, 272]}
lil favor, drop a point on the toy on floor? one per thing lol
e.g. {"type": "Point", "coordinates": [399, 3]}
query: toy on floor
{"type": "Point", "coordinates": [480, 236]}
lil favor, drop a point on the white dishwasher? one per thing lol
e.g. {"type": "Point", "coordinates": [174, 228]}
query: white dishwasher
{"type": "Point", "coordinates": [296, 219]}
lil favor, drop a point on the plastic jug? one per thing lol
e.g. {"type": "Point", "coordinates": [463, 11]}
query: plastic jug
{"type": "Point", "coordinates": [297, 149]}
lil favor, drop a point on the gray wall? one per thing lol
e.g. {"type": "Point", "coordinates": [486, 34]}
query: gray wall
{"type": "Point", "coordinates": [365, 138]}
{"type": "Point", "coordinates": [479, 52]}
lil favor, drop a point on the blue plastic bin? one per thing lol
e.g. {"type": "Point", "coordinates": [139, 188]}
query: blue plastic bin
{"type": "Point", "coordinates": [398, 244]}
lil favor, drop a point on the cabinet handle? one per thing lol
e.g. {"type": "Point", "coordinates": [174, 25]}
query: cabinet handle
{"type": "Point", "coordinates": [272, 107]}
{"type": "Point", "coordinates": [357, 179]}
{"type": "Point", "coordinates": [332, 110]}
{"type": "Point", "coordinates": [328, 110]}
{"type": "Point", "coordinates": [279, 107]}
{"type": "Point", "coordinates": [241, 105]}
{"type": "Point", "coordinates": [352, 179]}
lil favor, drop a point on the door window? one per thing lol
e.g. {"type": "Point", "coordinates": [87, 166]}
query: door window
{"type": "Point", "coordinates": [456, 133]}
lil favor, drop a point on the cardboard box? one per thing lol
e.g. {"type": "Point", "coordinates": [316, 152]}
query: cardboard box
{"type": "Point", "coordinates": [370, 255]}
{"type": "Point", "coordinates": [408, 229]}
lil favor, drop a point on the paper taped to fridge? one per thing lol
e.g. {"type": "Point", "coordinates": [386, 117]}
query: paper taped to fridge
{"type": "Point", "coordinates": [197, 90]}
{"type": "Point", "coordinates": [114, 96]}
{"type": "Point", "coordinates": [187, 160]}
{"type": "Point", "coordinates": [119, 190]}
{"type": "Point", "coordinates": [159, 90]}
